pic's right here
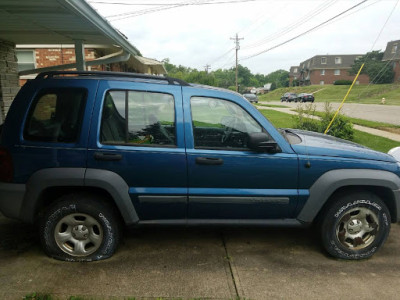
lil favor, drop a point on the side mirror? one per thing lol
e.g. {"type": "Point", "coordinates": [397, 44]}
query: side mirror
{"type": "Point", "coordinates": [260, 142]}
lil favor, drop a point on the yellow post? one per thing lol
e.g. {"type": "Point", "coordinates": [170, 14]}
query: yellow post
{"type": "Point", "coordinates": [344, 99]}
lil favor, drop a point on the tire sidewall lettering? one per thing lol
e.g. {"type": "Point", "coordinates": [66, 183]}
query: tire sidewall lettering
{"type": "Point", "coordinates": [355, 203]}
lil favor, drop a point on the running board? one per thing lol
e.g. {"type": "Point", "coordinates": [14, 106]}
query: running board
{"type": "Point", "coordinates": [225, 222]}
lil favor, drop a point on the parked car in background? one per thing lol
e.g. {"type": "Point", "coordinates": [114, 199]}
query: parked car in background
{"type": "Point", "coordinates": [289, 97]}
{"type": "Point", "coordinates": [292, 97]}
{"type": "Point", "coordinates": [304, 97]}
{"type": "Point", "coordinates": [252, 98]}
{"type": "Point", "coordinates": [284, 97]}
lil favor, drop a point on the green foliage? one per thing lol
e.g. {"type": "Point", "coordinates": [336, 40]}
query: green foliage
{"type": "Point", "coordinates": [303, 121]}
{"type": "Point", "coordinates": [38, 296]}
{"type": "Point", "coordinates": [343, 82]}
{"type": "Point", "coordinates": [225, 78]}
{"type": "Point", "coordinates": [378, 71]}
{"type": "Point", "coordinates": [340, 128]}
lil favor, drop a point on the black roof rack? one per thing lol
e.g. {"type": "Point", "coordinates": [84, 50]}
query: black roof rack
{"type": "Point", "coordinates": [170, 80]}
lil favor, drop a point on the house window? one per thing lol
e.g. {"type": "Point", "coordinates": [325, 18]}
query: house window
{"type": "Point", "coordinates": [308, 64]}
{"type": "Point", "coordinates": [322, 82]}
{"type": "Point", "coordinates": [337, 72]}
{"type": "Point", "coordinates": [357, 82]}
{"type": "Point", "coordinates": [322, 72]}
{"type": "Point", "coordinates": [323, 60]}
{"type": "Point", "coordinates": [295, 70]}
{"type": "Point", "coordinates": [26, 60]}
{"type": "Point", "coordinates": [338, 60]}
{"type": "Point", "coordinates": [394, 49]}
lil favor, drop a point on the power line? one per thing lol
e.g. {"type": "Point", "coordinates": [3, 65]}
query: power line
{"type": "Point", "coordinates": [137, 13]}
{"type": "Point", "coordinates": [221, 56]}
{"type": "Point", "coordinates": [321, 8]}
{"type": "Point", "coordinates": [305, 32]}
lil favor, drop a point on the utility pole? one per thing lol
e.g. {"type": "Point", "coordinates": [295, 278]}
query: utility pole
{"type": "Point", "coordinates": [207, 67]}
{"type": "Point", "coordinates": [236, 39]}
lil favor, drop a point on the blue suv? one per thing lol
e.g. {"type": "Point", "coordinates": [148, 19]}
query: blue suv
{"type": "Point", "coordinates": [83, 153]}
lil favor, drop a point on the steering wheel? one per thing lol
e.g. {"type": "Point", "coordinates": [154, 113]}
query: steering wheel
{"type": "Point", "coordinates": [227, 134]}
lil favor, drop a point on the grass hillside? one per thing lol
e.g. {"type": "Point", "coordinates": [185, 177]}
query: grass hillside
{"type": "Point", "coordinates": [334, 93]}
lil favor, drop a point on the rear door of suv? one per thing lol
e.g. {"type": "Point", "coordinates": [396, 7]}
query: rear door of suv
{"type": "Point", "coordinates": [137, 132]}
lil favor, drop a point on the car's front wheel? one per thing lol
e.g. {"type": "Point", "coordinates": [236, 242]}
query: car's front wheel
{"type": "Point", "coordinates": [355, 226]}
{"type": "Point", "coordinates": [80, 227]}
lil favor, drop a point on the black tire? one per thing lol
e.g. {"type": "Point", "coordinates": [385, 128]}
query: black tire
{"type": "Point", "coordinates": [355, 226]}
{"type": "Point", "coordinates": [89, 224]}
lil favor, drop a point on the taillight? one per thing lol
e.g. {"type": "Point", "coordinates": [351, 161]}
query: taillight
{"type": "Point", "coordinates": [6, 166]}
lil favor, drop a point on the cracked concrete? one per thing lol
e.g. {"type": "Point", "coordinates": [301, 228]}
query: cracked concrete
{"type": "Point", "coordinates": [200, 263]}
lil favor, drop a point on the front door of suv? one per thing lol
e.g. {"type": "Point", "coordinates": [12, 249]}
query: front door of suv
{"type": "Point", "coordinates": [226, 179]}
{"type": "Point", "coordinates": [137, 133]}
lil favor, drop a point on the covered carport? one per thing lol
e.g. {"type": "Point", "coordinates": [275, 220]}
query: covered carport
{"type": "Point", "coordinates": [75, 22]}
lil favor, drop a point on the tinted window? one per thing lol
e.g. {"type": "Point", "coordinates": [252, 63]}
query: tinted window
{"type": "Point", "coordinates": [220, 124]}
{"type": "Point", "coordinates": [138, 118]}
{"type": "Point", "coordinates": [56, 116]}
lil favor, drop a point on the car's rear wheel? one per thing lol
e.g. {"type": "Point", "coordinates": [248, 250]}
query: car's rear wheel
{"type": "Point", "coordinates": [355, 226]}
{"type": "Point", "coordinates": [80, 227]}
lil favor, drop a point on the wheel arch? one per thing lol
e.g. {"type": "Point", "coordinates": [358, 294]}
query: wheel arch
{"type": "Point", "coordinates": [384, 184]}
{"type": "Point", "coordinates": [46, 185]}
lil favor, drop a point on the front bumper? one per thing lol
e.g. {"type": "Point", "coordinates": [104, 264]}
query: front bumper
{"type": "Point", "coordinates": [11, 198]}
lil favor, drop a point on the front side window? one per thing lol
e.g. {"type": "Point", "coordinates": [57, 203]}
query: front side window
{"type": "Point", "coordinates": [138, 118]}
{"type": "Point", "coordinates": [56, 116]}
{"type": "Point", "coordinates": [221, 124]}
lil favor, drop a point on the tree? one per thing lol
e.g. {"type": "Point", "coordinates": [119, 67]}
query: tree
{"type": "Point", "coordinates": [280, 77]}
{"type": "Point", "coordinates": [377, 70]}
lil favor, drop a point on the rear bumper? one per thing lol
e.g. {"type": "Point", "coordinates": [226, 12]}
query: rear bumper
{"type": "Point", "coordinates": [11, 198]}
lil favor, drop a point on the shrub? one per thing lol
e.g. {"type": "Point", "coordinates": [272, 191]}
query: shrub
{"type": "Point", "coordinates": [307, 119]}
{"type": "Point", "coordinates": [343, 82]}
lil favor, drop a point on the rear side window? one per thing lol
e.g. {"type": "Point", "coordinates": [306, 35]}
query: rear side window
{"type": "Point", "coordinates": [56, 115]}
{"type": "Point", "coordinates": [138, 118]}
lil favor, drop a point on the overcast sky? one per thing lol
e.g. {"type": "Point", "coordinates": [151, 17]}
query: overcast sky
{"type": "Point", "coordinates": [197, 35]}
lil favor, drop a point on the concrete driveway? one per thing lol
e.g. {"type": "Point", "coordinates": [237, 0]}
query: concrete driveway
{"type": "Point", "coordinates": [200, 263]}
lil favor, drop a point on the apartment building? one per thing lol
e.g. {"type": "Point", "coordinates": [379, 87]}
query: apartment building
{"type": "Point", "coordinates": [392, 56]}
{"type": "Point", "coordinates": [325, 69]}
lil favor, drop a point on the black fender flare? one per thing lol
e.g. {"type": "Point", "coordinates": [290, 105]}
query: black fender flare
{"type": "Point", "coordinates": [330, 181]}
{"type": "Point", "coordinates": [77, 177]}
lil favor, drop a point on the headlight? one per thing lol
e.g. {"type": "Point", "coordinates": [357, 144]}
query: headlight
{"type": "Point", "coordinates": [395, 152]}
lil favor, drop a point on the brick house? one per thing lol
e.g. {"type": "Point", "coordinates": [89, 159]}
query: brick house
{"type": "Point", "coordinates": [392, 55]}
{"type": "Point", "coordinates": [326, 69]}
{"type": "Point", "coordinates": [40, 56]}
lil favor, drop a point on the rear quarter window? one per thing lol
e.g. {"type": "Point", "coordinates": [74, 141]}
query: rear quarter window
{"type": "Point", "coordinates": [56, 115]}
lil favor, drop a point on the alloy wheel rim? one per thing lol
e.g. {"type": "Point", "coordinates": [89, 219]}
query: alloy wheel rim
{"type": "Point", "coordinates": [357, 228]}
{"type": "Point", "coordinates": [78, 234]}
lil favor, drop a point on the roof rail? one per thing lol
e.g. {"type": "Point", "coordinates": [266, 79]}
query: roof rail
{"type": "Point", "coordinates": [170, 80]}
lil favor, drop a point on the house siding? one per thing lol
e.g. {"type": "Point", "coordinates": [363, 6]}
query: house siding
{"type": "Point", "coordinates": [330, 77]}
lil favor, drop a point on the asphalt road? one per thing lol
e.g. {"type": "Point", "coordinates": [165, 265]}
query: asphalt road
{"type": "Point", "coordinates": [197, 263]}
{"type": "Point", "coordinates": [373, 112]}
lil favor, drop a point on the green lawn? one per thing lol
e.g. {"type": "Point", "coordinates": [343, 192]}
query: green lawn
{"type": "Point", "coordinates": [283, 120]}
{"type": "Point", "coordinates": [334, 93]}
